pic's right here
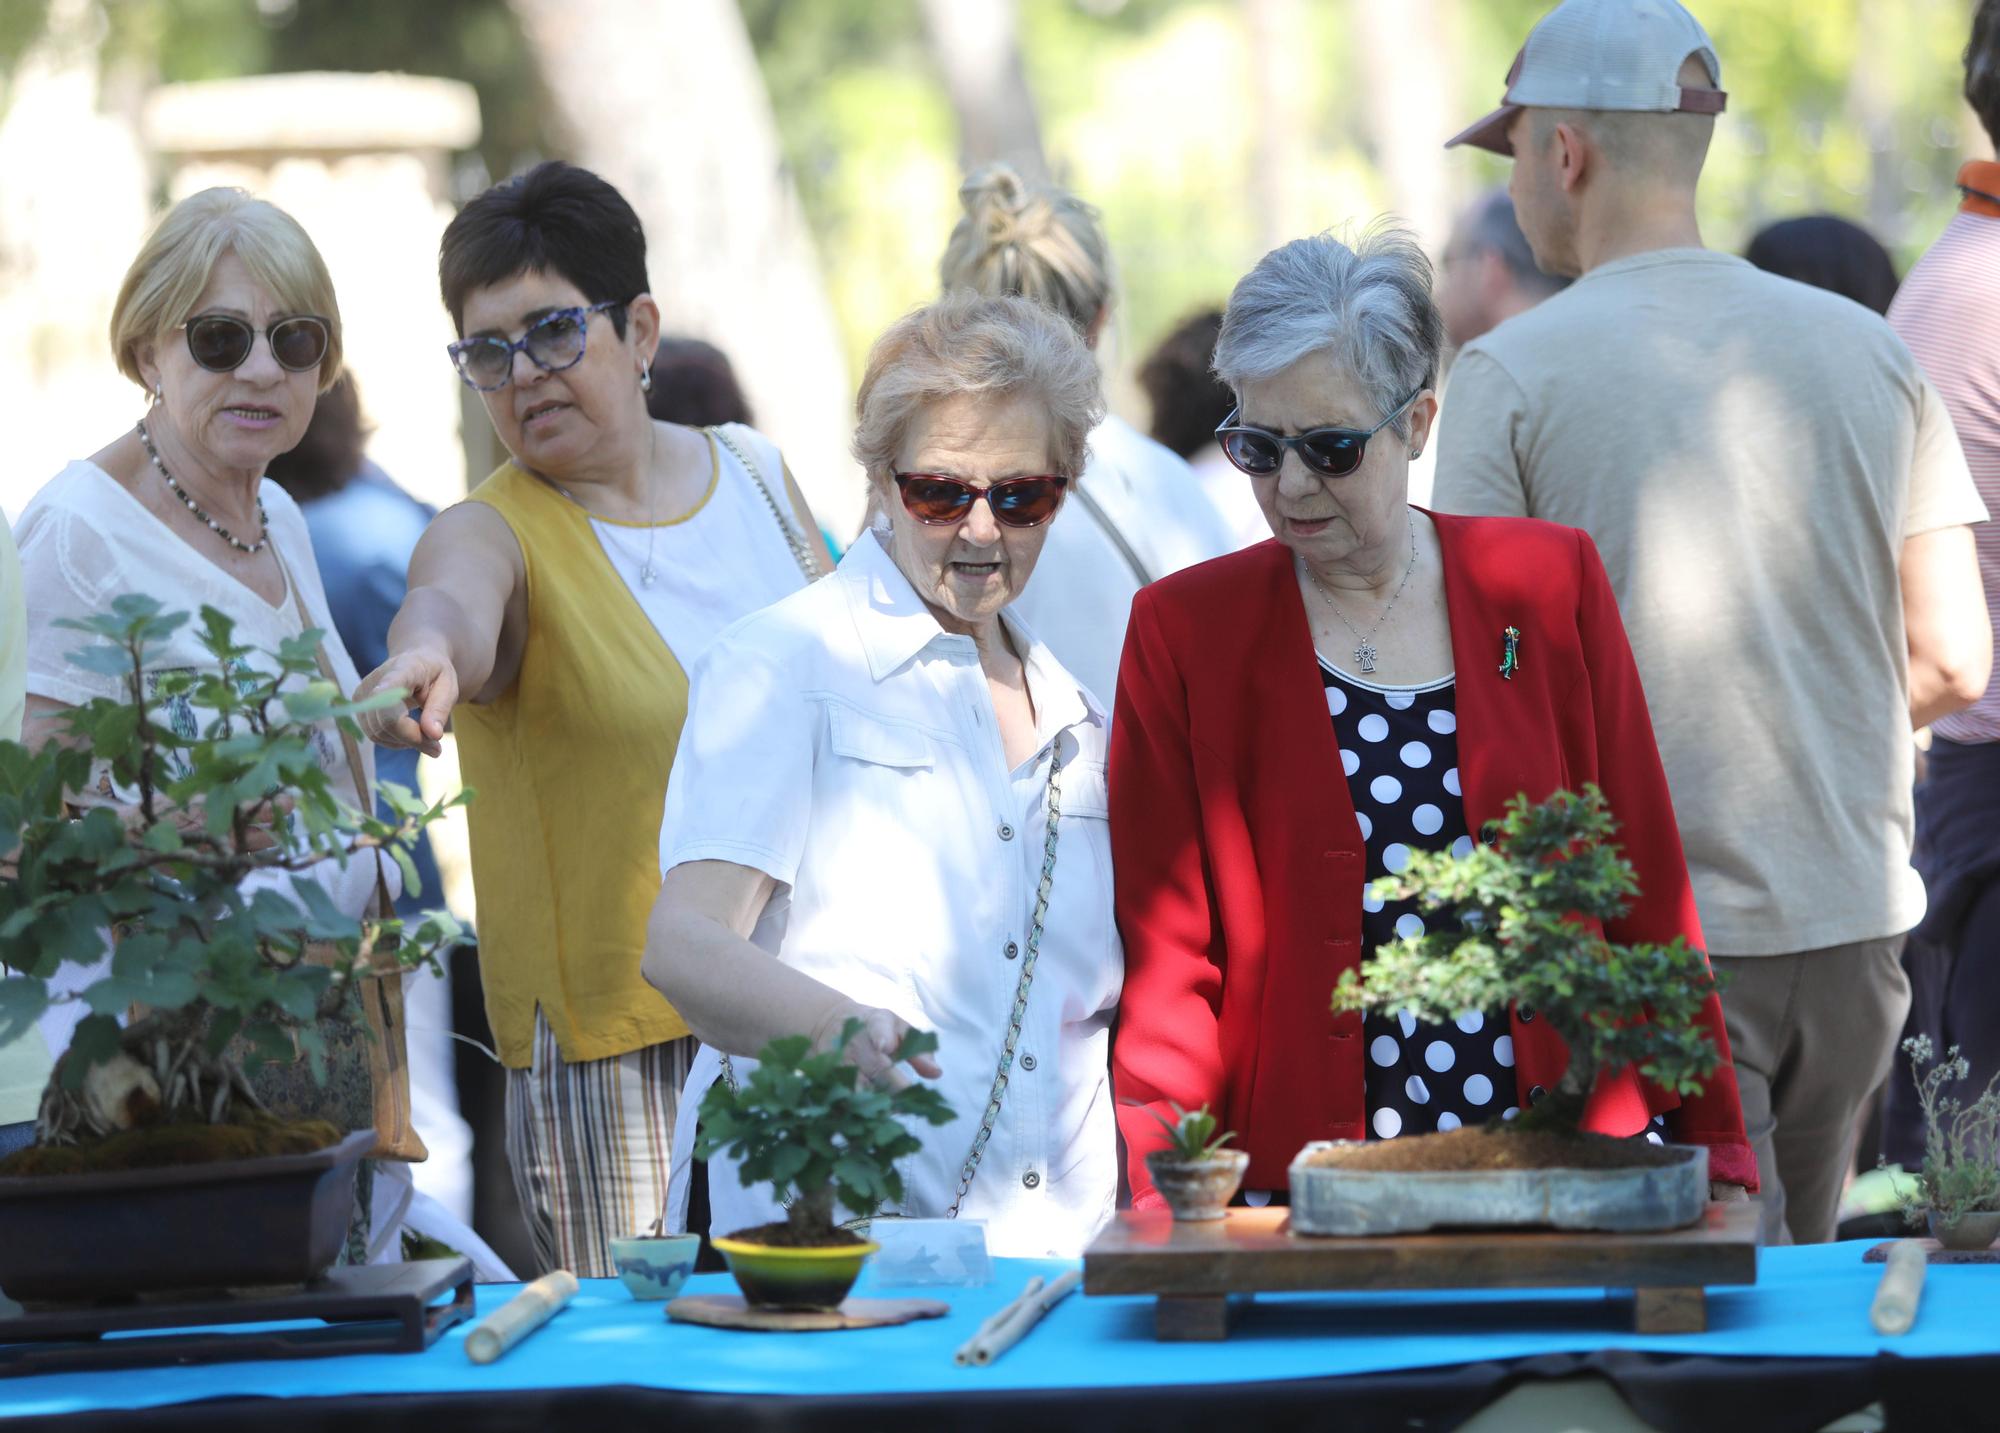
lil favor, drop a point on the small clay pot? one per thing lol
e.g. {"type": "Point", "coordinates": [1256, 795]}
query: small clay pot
{"type": "Point", "coordinates": [1973, 1232]}
{"type": "Point", "coordinates": [654, 1266]}
{"type": "Point", "coordinates": [774, 1277]}
{"type": "Point", "coordinates": [1198, 1189]}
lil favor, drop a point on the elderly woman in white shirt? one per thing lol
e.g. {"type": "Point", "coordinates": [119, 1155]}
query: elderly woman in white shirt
{"type": "Point", "coordinates": [882, 777]}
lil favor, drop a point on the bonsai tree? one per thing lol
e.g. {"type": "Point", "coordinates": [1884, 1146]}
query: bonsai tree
{"type": "Point", "coordinates": [809, 1126]}
{"type": "Point", "coordinates": [1961, 1172]}
{"type": "Point", "coordinates": [1517, 903]}
{"type": "Point", "coordinates": [222, 763]}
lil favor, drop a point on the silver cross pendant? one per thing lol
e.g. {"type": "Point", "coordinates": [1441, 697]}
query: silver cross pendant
{"type": "Point", "coordinates": [1364, 654]}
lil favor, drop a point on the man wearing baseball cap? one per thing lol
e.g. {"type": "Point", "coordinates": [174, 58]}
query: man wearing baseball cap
{"type": "Point", "coordinates": [1783, 507]}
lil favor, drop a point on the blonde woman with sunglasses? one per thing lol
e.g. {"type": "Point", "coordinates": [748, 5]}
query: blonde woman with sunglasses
{"type": "Point", "coordinates": [1296, 718]}
{"type": "Point", "coordinates": [227, 323]}
{"type": "Point", "coordinates": [889, 803]}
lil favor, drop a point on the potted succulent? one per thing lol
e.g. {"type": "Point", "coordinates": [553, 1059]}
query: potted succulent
{"type": "Point", "coordinates": [152, 1119]}
{"type": "Point", "coordinates": [1958, 1190]}
{"type": "Point", "coordinates": [1194, 1173]}
{"type": "Point", "coordinates": [807, 1124]}
{"type": "Point", "coordinates": [1518, 940]}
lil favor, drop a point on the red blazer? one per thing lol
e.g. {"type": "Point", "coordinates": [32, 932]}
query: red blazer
{"type": "Point", "coordinates": [1239, 862]}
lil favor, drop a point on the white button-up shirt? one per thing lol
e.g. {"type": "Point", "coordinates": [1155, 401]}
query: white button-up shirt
{"type": "Point", "coordinates": [845, 744]}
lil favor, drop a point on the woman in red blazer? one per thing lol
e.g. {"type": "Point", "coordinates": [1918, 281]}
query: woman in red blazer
{"type": "Point", "coordinates": [1292, 719]}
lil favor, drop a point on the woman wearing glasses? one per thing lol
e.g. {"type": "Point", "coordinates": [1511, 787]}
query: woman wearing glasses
{"type": "Point", "coordinates": [553, 617]}
{"type": "Point", "coordinates": [227, 322]}
{"type": "Point", "coordinates": [1296, 718]}
{"type": "Point", "coordinates": [889, 801]}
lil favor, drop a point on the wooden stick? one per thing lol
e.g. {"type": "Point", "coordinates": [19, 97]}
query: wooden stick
{"type": "Point", "coordinates": [989, 1346]}
{"type": "Point", "coordinates": [520, 1316]}
{"type": "Point", "coordinates": [1902, 1286]}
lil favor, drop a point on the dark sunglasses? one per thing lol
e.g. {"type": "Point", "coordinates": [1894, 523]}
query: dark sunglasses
{"type": "Point", "coordinates": [1330, 452]}
{"type": "Point", "coordinates": [554, 342]}
{"type": "Point", "coordinates": [1017, 502]}
{"type": "Point", "coordinates": [221, 343]}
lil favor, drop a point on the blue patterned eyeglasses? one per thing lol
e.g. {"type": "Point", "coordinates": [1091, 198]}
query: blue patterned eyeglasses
{"type": "Point", "coordinates": [553, 342]}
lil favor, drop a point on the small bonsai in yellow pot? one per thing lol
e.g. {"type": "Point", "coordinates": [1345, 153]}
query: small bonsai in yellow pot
{"type": "Point", "coordinates": [808, 1125]}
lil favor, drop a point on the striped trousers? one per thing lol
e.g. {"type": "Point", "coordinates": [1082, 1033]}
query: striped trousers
{"type": "Point", "coordinates": [589, 1144]}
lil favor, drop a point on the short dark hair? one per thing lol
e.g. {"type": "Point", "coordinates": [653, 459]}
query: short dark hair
{"type": "Point", "coordinates": [1495, 230]}
{"type": "Point", "coordinates": [1188, 400]}
{"type": "Point", "coordinates": [694, 383]}
{"type": "Point", "coordinates": [1829, 253]}
{"type": "Point", "coordinates": [1982, 68]}
{"type": "Point", "coordinates": [555, 219]}
{"type": "Point", "coordinates": [333, 449]}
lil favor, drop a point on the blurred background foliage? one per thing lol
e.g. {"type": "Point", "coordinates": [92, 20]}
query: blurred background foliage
{"type": "Point", "coordinates": [1205, 130]}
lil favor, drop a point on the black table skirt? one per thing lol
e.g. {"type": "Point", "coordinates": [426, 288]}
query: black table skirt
{"type": "Point", "coordinates": [1699, 1395]}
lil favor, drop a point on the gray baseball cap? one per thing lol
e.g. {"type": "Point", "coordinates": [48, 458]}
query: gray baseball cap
{"type": "Point", "coordinates": [1604, 55]}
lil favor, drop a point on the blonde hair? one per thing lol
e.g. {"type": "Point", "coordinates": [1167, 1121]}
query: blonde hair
{"type": "Point", "coordinates": [969, 343]}
{"type": "Point", "coordinates": [175, 263]}
{"type": "Point", "coordinates": [1037, 241]}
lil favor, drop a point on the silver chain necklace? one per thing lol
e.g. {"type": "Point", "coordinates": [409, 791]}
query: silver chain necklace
{"type": "Point", "coordinates": [263, 520]}
{"type": "Point", "coordinates": [1364, 647]}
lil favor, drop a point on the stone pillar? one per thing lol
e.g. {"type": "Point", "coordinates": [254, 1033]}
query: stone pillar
{"type": "Point", "coordinates": [363, 161]}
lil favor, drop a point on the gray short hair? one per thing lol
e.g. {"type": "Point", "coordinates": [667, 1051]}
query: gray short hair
{"type": "Point", "coordinates": [1368, 307]}
{"type": "Point", "coordinates": [969, 343]}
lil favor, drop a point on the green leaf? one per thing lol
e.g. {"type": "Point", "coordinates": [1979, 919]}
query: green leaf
{"type": "Point", "coordinates": [22, 1002]}
{"type": "Point", "coordinates": [95, 1041]}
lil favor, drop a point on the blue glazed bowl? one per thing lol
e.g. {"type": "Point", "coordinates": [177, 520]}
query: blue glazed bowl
{"type": "Point", "coordinates": [654, 1266]}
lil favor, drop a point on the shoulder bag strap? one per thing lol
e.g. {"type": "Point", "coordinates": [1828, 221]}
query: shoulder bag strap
{"type": "Point", "coordinates": [802, 550]}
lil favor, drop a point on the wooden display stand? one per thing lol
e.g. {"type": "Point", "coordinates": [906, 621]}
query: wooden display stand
{"type": "Point", "coordinates": [1194, 1269]}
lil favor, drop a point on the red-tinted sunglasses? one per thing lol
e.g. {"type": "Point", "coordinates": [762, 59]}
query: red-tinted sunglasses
{"type": "Point", "coordinates": [1018, 502]}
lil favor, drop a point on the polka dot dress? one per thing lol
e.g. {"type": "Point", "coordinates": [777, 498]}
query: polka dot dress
{"type": "Point", "coordinates": [1399, 748]}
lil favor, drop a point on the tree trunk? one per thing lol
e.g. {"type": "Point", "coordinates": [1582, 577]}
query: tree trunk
{"type": "Point", "coordinates": [977, 47]}
{"type": "Point", "coordinates": [666, 102]}
{"type": "Point", "coordinates": [1410, 85]}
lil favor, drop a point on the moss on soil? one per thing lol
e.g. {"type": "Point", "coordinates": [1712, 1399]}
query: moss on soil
{"type": "Point", "coordinates": [1497, 1146]}
{"type": "Point", "coordinates": [162, 1146]}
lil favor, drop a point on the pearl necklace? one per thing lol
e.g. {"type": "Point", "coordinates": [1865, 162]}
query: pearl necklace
{"type": "Point", "coordinates": [263, 519]}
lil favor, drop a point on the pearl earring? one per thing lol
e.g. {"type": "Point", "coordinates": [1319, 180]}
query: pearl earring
{"type": "Point", "coordinates": [646, 378]}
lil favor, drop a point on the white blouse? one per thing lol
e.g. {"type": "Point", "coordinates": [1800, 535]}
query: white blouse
{"type": "Point", "coordinates": [844, 744]}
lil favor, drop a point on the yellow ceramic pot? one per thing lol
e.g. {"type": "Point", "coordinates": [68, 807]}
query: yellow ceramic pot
{"type": "Point", "coordinates": [774, 1277]}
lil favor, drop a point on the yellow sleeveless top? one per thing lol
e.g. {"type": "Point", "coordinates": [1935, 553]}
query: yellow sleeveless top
{"type": "Point", "coordinates": [570, 769]}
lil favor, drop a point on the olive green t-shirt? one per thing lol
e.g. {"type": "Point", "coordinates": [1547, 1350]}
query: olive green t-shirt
{"type": "Point", "coordinates": [1749, 455]}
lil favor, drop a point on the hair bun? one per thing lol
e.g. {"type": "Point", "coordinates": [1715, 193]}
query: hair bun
{"type": "Point", "coordinates": [993, 197]}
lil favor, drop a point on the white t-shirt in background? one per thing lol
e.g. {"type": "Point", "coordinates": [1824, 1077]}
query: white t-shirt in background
{"type": "Point", "coordinates": [1080, 596]}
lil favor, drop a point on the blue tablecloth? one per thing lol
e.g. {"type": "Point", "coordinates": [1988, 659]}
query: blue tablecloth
{"type": "Point", "coordinates": [1810, 1302]}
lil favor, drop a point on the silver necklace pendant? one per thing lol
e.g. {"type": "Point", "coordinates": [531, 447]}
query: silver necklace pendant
{"type": "Point", "coordinates": [647, 574]}
{"type": "Point", "coordinates": [1364, 654]}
